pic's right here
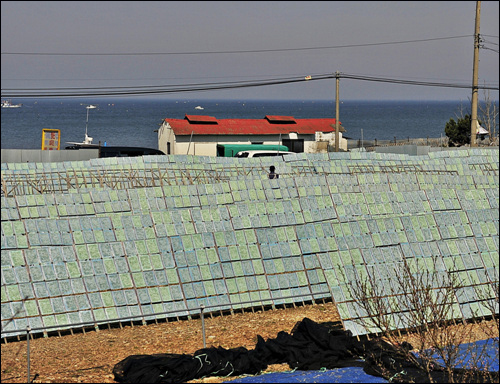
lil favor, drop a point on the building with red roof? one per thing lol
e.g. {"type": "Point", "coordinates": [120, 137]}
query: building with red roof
{"type": "Point", "coordinates": [199, 135]}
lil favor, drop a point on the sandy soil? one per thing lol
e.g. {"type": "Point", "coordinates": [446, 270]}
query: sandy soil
{"type": "Point", "coordinates": [90, 357]}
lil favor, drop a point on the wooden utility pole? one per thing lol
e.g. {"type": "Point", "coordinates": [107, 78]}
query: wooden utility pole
{"type": "Point", "coordinates": [337, 135]}
{"type": "Point", "coordinates": [475, 70]}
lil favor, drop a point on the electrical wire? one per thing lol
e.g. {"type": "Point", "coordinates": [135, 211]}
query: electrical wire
{"type": "Point", "coordinates": [482, 46]}
{"type": "Point", "coordinates": [235, 51]}
{"type": "Point", "coordinates": [153, 90]}
{"type": "Point", "coordinates": [201, 87]}
{"type": "Point", "coordinates": [490, 49]}
{"type": "Point", "coordinates": [413, 82]}
{"type": "Point", "coordinates": [192, 87]}
{"type": "Point", "coordinates": [160, 86]}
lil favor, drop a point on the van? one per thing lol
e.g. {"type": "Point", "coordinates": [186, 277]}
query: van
{"type": "Point", "coordinates": [242, 154]}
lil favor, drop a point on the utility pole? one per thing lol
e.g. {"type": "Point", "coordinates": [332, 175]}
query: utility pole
{"type": "Point", "coordinates": [475, 70]}
{"type": "Point", "coordinates": [337, 135]}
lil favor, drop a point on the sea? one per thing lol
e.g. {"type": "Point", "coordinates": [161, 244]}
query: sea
{"type": "Point", "coordinates": [135, 121]}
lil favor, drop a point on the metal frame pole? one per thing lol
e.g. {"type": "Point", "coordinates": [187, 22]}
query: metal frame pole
{"type": "Point", "coordinates": [28, 329]}
{"type": "Point", "coordinates": [202, 307]}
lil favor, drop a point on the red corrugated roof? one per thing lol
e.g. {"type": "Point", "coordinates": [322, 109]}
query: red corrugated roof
{"type": "Point", "coordinates": [270, 125]}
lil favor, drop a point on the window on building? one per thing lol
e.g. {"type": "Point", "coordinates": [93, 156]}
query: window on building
{"type": "Point", "coordinates": [296, 146]}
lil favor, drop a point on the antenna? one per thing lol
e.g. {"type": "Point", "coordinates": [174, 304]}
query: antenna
{"type": "Point", "coordinates": [88, 140]}
{"type": "Point", "coordinates": [87, 122]}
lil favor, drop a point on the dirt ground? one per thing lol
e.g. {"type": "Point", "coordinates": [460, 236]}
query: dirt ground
{"type": "Point", "coordinates": [90, 357]}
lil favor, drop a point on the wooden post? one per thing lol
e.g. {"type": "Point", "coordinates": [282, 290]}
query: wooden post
{"type": "Point", "coordinates": [475, 74]}
{"type": "Point", "coordinates": [337, 135]}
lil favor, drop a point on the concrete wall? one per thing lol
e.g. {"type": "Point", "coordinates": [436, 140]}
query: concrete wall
{"type": "Point", "coordinates": [39, 156]}
{"type": "Point", "coordinates": [412, 150]}
{"type": "Point", "coordinates": [420, 150]}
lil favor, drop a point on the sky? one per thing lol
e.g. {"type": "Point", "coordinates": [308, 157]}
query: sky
{"type": "Point", "coordinates": [97, 45]}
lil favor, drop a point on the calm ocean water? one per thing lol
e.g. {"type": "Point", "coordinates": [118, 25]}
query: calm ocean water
{"type": "Point", "coordinates": [132, 122]}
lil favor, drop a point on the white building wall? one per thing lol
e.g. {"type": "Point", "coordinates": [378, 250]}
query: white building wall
{"type": "Point", "coordinates": [198, 149]}
{"type": "Point", "coordinates": [329, 138]}
{"type": "Point", "coordinates": [166, 135]}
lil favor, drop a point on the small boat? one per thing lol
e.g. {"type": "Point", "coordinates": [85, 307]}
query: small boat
{"type": "Point", "coordinates": [199, 107]}
{"type": "Point", "coordinates": [87, 142]}
{"type": "Point", "coordinates": [109, 151]}
{"type": "Point", "coordinates": [8, 104]}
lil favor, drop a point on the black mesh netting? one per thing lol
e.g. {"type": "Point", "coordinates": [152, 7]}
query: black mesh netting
{"type": "Point", "coordinates": [309, 346]}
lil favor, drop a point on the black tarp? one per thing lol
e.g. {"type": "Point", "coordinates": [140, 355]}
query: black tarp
{"type": "Point", "coordinates": [309, 346]}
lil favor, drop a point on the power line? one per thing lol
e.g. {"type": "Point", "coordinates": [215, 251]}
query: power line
{"type": "Point", "coordinates": [482, 46]}
{"type": "Point", "coordinates": [413, 82]}
{"type": "Point", "coordinates": [155, 86]}
{"type": "Point", "coordinates": [77, 92]}
{"type": "Point", "coordinates": [490, 49]}
{"type": "Point", "coordinates": [202, 87]}
{"type": "Point", "coordinates": [142, 79]}
{"type": "Point", "coordinates": [496, 37]}
{"type": "Point", "coordinates": [489, 42]}
{"type": "Point", "coordinates": [234, 51]}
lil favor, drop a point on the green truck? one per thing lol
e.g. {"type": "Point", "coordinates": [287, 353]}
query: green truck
{"type": "Point", "coordinates": [230, 150]}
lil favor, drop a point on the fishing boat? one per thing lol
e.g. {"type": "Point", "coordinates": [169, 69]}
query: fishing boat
{"type": "Point", "coordinates": [8, 104]}
{"type": "Point", "coordinates": [109, 151]}
{"type": "Point", "coordinates": [87, 142]}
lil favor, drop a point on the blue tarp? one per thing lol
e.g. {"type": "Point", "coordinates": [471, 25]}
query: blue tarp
{"type": "Point", "coordinates": [485, 350]}
{"type": "Point", "coordinates": [357, 375]}
{"type": "Point", "coordinates": [339, 375]}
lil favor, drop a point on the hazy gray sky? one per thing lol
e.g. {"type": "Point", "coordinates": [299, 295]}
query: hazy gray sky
{"type": "Point", "coordinates": [277, 29]}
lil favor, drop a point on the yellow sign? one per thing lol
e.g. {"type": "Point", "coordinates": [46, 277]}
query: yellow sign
{"type": "Point", "coordinates": [51, 139]}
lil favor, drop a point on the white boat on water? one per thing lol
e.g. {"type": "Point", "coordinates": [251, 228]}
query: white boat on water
{"type": "Point", "coordinates": [199, 107]}
{"type": "Point", "coordinates": [87, 142]}
{"type": "Point", "coordinates": [8, 104]}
